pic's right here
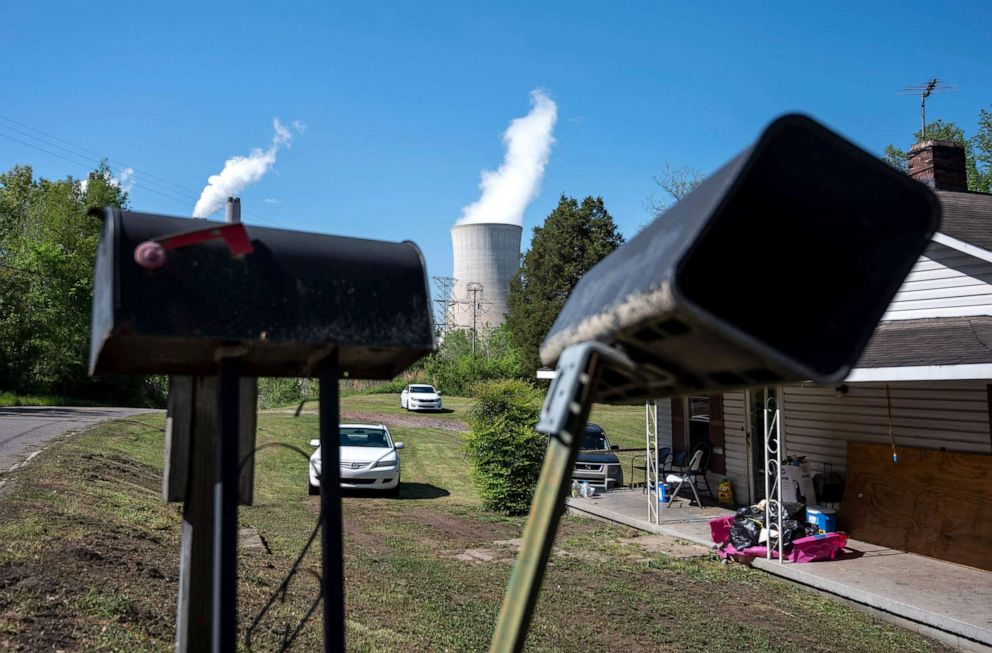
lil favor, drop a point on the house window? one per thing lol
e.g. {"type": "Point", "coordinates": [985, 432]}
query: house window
{"type": "Point", "coordinates": [698, 424]}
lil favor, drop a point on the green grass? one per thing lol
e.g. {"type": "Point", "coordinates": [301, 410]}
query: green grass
{"type": "Point", "coordinates": [95, 555]}
{"type": "Point", "coordinates": [8, 399]}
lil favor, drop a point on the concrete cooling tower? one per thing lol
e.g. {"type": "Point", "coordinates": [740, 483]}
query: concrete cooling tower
{"type": "Point", "coordinates": [486, 255]}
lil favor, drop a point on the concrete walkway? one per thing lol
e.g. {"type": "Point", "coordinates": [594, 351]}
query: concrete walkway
{"type": "Point", "coordinates": [943, 600]}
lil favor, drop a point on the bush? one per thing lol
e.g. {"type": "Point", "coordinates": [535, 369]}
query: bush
{"type": "Point", "coordinates": [505, 450]}
{"type": "Point", "coordinates": [454, 367]}
{"type": "Point", "coordinates": [276, 391]}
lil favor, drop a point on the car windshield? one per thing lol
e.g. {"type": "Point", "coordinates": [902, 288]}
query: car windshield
{"type": "Point", "coordinates": [362, 437]}
{"type": "Point", "coordinates": [421, 388]}
{"type": "Point", "coordinates": [595, 440]}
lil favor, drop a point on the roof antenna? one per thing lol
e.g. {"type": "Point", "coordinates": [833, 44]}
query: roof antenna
{"type": "Point", "coordinates": [924, 91]}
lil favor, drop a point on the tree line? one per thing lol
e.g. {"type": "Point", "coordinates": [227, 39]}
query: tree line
{"type": "Point", "coordinates": [47, 246]}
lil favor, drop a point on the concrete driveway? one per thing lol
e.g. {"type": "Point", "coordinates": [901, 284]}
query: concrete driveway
{"type": "Point", "coordinates": [24, 430]}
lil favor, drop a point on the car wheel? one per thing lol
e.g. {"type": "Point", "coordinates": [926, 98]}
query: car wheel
{"type": "Point", "coordinates": [312, 490]}
{"type": "Point", "coordinates": [395, 492]}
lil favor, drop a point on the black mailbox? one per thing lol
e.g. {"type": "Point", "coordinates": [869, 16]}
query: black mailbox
{"type": "Point", "coordinates": [776, 268]}
{"type": "Point", "coordinates": [170, 292]}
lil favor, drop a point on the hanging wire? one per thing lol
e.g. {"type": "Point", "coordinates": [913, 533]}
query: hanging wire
{"type": "Point", "coordinates": [892, 437]}
{"type": "Point", "coordinates": [139, 178]}
{"type": "Point", "coordinates": [279, 594]}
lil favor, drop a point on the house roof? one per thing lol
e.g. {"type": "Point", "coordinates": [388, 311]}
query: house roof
{"type": "Point", "coordinates": [967, 217]}
{"type": "Point", "coordinates": [935, 349]}
{"type": "Point", "coordinates": [936, 341]}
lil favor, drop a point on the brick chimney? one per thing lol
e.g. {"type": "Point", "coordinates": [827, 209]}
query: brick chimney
{"type": "Point", "coordinates": [938, 164]}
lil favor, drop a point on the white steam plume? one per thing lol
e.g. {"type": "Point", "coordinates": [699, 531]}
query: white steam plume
{"type": "Point", "coordinates": [242, 171]}
{"type": "Point", "coordinates": [506, 192]}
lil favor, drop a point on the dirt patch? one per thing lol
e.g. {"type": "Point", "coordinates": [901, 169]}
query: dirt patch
{"type": "Point", "coordinates": [669, 546]}
{"type": "Point", "coordinates": [410, 420]}
{"type": "Point", "coordinates": [481, 556]}
{"type": "Point", "coordinates": [440, 526]}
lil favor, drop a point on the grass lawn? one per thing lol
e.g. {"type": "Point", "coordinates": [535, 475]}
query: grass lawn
{"type": "Point", "coordinates": [89, 559]}
{"type": "Point", "coordinates": [8, 399]}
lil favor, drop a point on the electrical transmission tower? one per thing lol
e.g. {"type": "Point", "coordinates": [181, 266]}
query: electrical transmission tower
{"type": "Point", "coordinates": [925, 91]}
{"type": "Point", "coordinates": [447, 307]}
{"type": "Point", "coordinates": [444, 305]}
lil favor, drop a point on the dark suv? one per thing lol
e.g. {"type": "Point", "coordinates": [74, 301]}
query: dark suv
{"type": "Point", "coordinates": [596, 462]}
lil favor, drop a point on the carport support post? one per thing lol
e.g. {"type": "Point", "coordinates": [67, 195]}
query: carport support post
{"type": "Point", "coordinates": [332, 553]}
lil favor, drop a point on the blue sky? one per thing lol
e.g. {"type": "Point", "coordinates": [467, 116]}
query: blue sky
{"type": "Point", "coordinates": [404, 103]}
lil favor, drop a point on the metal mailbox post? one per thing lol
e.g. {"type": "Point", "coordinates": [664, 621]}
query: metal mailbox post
{"type": "Point", "coordinates": [679, 309]}
{"type": "Point", "coordinates": [173, 296]}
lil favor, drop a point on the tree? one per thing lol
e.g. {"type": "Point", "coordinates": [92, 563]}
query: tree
{"type": "Point", "coordinates": [977, 149]}
{"type": "Point", "coordinates": [572, 240]}
{"type": "Point", "coordinates": [47, 247]}
{"type": "Point", "coordinates": [677, 183]}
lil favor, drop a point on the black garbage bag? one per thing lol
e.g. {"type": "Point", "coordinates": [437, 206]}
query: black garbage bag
{"type": "Point", "coordinates": [796, 511]}
{"type": "Point", "coordinates": [746, 527]}
{"type": "Point", "coordinates": [792, 529]}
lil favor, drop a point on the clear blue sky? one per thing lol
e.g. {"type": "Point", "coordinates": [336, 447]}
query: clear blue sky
{"type": "Point", "coordinates": [405, 102]}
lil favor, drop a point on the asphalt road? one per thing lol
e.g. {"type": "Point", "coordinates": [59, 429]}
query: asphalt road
{"type": "Point", "coordinates": [24, 430]}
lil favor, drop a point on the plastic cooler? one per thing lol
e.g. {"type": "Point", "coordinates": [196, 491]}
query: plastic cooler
{"type": "Point", "coordinates": [824, 518]}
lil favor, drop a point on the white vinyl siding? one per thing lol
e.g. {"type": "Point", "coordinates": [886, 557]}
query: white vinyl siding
{"type": "Point", "coordinates": [735, 444]}
{"type": "Point", "coordinates": [664, 423]}
{"type": "Point", "coordinates": [944, 283]}
{"type": "Point", "coordinates": [818, 423]}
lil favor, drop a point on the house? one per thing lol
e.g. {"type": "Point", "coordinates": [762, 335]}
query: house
{"type": "Point", "coordinates": [929, 361]}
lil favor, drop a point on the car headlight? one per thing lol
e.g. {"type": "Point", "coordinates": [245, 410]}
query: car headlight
{"type": "Point", "coordinates": [385, 463]}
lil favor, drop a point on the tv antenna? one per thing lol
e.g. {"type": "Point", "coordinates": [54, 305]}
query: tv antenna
{"type": "Point", "coordinates": [925, 91]}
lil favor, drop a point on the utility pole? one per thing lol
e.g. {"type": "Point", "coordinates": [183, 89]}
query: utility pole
{"type": "Point", "coordinates": [475, 288]}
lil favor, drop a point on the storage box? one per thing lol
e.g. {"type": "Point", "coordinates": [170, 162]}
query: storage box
{"type": "Point", "coordinates": [824, 518]}
{"type": "Point", "coordinates": [797, 483]}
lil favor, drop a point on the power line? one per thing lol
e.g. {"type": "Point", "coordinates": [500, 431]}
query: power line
{"type": "Point", "coordinates": [89, 167]}
{"type": "Point", "coordinates": [184, 189]}
{"type": "Point", "coordinates": [138, 178]}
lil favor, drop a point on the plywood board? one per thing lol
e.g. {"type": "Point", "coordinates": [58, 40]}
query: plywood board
{"type": "Point", "coordinates": [931, 502]}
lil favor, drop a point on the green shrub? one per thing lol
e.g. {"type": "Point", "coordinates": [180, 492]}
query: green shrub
{"type": "Point", "coordinates": [457, 365]}
{"type": "Point", "coordinates": [505, 450]}
{"type": "Point", "coordinates": [275, 391]}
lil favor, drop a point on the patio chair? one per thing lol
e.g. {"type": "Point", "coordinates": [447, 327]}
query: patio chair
{"type": "Point", "coordinates": [698, 463]}
{"type": "Point", "coordinates": [664, 462]}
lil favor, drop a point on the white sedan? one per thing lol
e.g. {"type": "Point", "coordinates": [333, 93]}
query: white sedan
{"type": "Point", "coordinates": [368, 459]}
{"type": "Point", "coordinates": [419, 396]}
